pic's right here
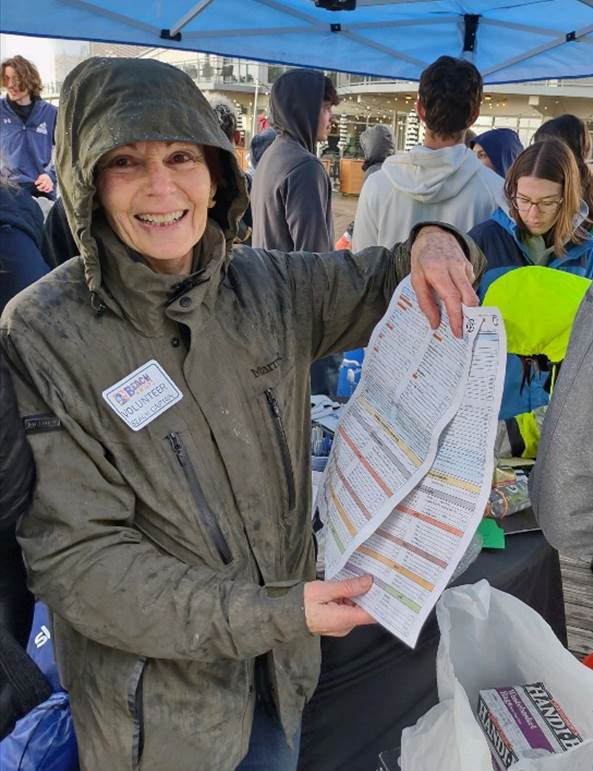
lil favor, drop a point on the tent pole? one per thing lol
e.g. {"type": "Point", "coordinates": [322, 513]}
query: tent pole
{"type": "Point", "coordinates": [191, 14]}
{"type": "Point", "coordinates": [253, 122]}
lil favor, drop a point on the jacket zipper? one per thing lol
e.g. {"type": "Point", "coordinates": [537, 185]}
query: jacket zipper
{"type": "Point", "coordinates": [136, 707]}
{"type": "Point", "coordinates": [285, 452]}
{"type": "Point", "coordinates": [205, 513]}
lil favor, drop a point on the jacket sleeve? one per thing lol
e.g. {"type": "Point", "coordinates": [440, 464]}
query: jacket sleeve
{"type": "Point", "coordinates": [50, 170]}
{"type": "Point", "coordinates": [339, 297]}
{"type": "Point", "coordinates": [93, 568]}
{"type": "Point", "coordinates": [306, 198]}
{"type": "Point", "coordinates": [17, 470]}
{"type": "Point", "coordinates": [561, 485]}
{"type": "Point", "coordinates": [366, 225]}
{"type": "Point", "coordinates": [50, 167]}
{"type": "Point", "coordinates": [519, 436]}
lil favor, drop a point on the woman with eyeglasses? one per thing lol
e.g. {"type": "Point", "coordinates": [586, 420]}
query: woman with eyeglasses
{"type": "Point", "coordinates": [574, 132]}
{"type": "Point", "coordinates": [543, 226]}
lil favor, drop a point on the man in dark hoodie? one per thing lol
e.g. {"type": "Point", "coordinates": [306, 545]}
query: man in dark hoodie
{"type": "Point", "coordinates": [377, 144]}
{"type": "Point", "coordinates": [291, 195]}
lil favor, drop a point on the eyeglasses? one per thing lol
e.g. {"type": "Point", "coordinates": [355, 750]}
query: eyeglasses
{"type": "Point", "coordinates": [545, 206]}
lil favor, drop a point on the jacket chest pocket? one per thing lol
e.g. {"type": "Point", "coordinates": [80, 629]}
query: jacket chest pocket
{"type": "Point", "coordinates": [207, 518]}
{"type": "Point", "coordinates": [135, 699]}
{"type": "Point", "coordinates": [280, 440]}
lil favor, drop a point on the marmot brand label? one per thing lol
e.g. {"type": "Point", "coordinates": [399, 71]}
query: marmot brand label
{"type": "Point", "coordinates": [265, 369]}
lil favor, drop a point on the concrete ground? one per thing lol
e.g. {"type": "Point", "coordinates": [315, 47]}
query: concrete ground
{"type": "Point", "coordinates": [344, 208]}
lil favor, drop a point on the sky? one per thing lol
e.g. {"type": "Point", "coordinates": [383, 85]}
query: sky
{"type": "Point", "coordinates": [39, 50]}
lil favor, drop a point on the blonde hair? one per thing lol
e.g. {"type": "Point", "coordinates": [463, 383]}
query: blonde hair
{"type": "Point", "coordinates": [27, 73]}
{"type": "Point", "coordinates": [553, 160]}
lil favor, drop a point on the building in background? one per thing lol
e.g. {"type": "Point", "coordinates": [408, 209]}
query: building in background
{"type": "Point", "coordinates": [365, 100]}
{"type": "Point", "coordinates": [520, 106]}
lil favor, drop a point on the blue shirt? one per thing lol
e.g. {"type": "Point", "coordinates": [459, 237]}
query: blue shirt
{"type": "Point", "coordinates": [26, 147]}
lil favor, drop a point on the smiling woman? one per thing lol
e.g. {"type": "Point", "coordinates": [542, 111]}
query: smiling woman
{"type": "Point", "coordinates": [156, 197]}
{"type": "Point", "coordinates": [171, 529]}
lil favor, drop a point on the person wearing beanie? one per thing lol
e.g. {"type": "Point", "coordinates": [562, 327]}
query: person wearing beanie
{"type": "Point", "coordinates": [497, 149]}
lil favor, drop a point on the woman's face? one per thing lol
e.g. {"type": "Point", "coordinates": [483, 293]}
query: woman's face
{"type": "Point", "coordinates": [483, 157]}
{"type": "Point", "coordinates": [156, 197]}
{"type": "Point", "coordinates": [538, 203]}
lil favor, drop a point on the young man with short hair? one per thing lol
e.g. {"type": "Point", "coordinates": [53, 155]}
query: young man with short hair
{"type": "Point", "coordinates": [441, 180]}
{"type": "Point", "coordinates": [27, 125]}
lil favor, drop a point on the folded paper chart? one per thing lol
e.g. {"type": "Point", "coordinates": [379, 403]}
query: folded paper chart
{"type": "Point", "coordinates": [411, 465]}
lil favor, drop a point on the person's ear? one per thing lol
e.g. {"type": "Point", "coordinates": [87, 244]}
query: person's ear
{"type": "Point", "coordinates": [474, 117]}
{"type": "Point", "coordinates": [420, 110]}
{"type": "Point", "coordinates": [212, 199]}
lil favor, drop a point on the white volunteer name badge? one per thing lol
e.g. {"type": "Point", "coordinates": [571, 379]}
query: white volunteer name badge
{"type": "Point", "coordinates": [142, 395]}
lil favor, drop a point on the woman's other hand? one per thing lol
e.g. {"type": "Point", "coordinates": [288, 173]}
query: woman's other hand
{"type": "Point", "coordinates": [329, 609]}
{"type": "Point", "coordinates": [441, 270]}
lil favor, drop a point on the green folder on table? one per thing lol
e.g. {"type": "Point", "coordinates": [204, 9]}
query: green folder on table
{"type": "Point", "coordinates": [492, 534]}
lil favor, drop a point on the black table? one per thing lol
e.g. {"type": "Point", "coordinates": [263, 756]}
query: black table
{"type": "Point", "coordinates": [372, 686]}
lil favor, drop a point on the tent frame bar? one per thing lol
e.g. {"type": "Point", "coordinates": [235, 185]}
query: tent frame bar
{"type": "Point", "coordinates": [120, 17]}
{"type": "Point", "coordinates": [191, 14]}
{"type": "Point", "coordinates": [558, 41]}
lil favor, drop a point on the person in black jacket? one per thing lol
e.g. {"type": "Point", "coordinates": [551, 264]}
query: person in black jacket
{"type": "Point", "coordinates": [22, 685]}
{"type": "Point", "coordinates": [58, 244]}
{"type": "Point", "coordinates": [21, 228]}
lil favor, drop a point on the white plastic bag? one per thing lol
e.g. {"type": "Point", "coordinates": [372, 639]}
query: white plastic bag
{"type": "Point", "coordinates": [491, 639]}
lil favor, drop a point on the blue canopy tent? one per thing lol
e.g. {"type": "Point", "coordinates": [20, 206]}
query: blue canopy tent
{"type": "Point", "coordinates": [508, 40]}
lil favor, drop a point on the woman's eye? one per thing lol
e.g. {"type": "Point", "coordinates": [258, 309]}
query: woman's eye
{"type": "Point", "coordinates": [181, 158]}
{"type": "Point", "coordinates": [119, 162]}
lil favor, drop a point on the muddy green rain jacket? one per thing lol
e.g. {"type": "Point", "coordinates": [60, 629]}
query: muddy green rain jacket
{"type": "Point", "coordinates": [174, 555]}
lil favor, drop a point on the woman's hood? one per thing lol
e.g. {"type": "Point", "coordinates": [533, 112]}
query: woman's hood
{"type": "Point", "coordinates": [109, 102]}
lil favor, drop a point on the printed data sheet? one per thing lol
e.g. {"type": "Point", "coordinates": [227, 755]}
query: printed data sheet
{"type": "Point", "coordinates": [411, 465]}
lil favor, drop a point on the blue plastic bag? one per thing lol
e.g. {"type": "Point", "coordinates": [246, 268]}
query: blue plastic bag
{"type": "Point", "coordinates": [43, 740]}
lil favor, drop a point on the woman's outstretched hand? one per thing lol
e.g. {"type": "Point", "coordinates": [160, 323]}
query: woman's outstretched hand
{"type": "Point", "coordinates": [440, 270]}
{"type": "Point", "coordinates": [329, 609]}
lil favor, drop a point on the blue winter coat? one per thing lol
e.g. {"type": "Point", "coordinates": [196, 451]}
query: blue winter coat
{"type": "Point", "coordinates": [21, 232]}
{"type": "Point", "coordinates": [499, 239]}
{"type": "Point", "coordinates": [26, 148]}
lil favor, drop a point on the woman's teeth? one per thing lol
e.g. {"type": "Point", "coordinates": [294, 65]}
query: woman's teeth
{"type": "Point", "coordinates": [161, 219]}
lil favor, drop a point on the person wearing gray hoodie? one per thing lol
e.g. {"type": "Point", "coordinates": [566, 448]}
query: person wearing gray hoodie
{"type": "Point", "coordinates": [441, 179]}
{"type": "Point", "coordinates": [291, 194]}
{"type": "Point", "coordinates": [561, 484]}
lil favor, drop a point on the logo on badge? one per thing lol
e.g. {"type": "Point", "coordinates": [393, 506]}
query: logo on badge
{"type": "Point", "coordinates": [143, 395]}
